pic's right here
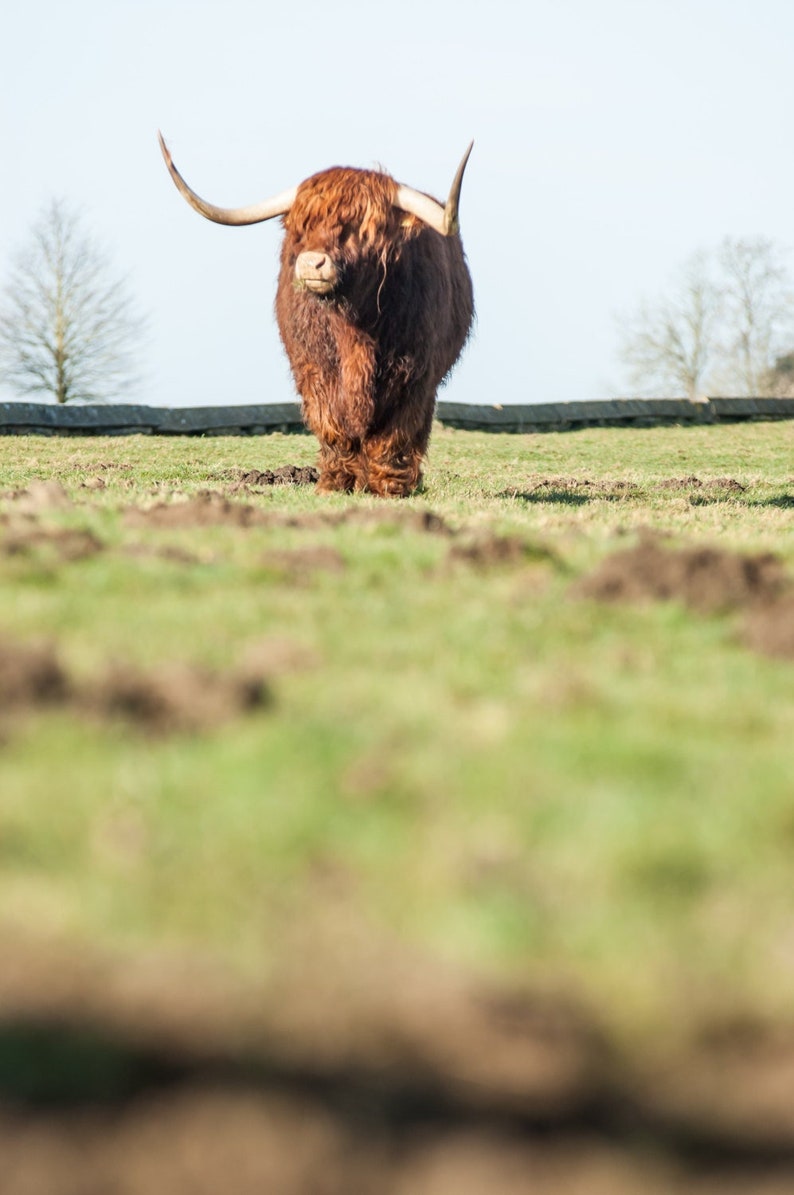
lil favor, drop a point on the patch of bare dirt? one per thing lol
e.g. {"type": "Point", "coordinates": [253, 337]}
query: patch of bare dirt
{"type": "Point", "coordinates": [706, 579]}
{"type": "Point", "coordinates": [769, 628]}
{"type": "Point", "coordinates": [39, 496]}
{"type": "Point", "coordinates": [172, 698]}
{"type": "Point", "coordinates": [206, 509]}
{"type": "Point", "coordinates": [62, 544]}
{"type": "Point", "coordinates": [380, 1074]}
{"type": "Point", "coordinates": [488, 550]}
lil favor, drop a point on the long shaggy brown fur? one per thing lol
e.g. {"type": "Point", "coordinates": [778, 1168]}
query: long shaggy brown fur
{"type": "Point", "coordinates": [368, 358]}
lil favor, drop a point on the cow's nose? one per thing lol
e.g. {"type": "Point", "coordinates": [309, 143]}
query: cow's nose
{"type": "Point", "coordinates": [316, 271]}
{"type": "Point", "coordinates": [314, 262]}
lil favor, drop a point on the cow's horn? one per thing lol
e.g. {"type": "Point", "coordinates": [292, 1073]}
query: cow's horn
{"type": "Point", "coordinates": [442, 219]}
{"type": "Point", "coordinates": [279, 205]}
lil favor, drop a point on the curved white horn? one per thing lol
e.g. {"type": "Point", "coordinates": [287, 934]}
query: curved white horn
{"type": "Point", "coordinates": [442, 219]}
{"type": "Point", "coordinates": [279, 205]}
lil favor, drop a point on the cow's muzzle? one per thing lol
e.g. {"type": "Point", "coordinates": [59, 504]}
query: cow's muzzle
{"type": "Point", "coordinates": [316, 272]}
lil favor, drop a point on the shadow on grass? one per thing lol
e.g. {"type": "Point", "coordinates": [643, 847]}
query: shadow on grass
{"type": "Point", "coordinates": [782, 502]}
{"type": "Point", "coordinates": [562, 497]}
{"type": "Point", "coordinates": [702, 500]}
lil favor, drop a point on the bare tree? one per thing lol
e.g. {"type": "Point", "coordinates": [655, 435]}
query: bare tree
{"type": "Point", "coordinates": [727, 319]}
{"type": "Point", "coordinates": [68, 327]}
{"type": "Point", "coordinates": [759, 312]}
{"type": "Point", "coordinates": [668, 346]}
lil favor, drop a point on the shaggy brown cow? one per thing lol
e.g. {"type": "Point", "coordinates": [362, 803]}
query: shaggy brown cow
{"type": "Point", "coordinates": [374, 306]}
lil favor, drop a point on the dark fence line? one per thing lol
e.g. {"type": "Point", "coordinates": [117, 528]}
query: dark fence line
{"type": "Point", "coordinates": [118, 419]}
{"type": "Point", "coordinates": [615, 412]}
{"type": "Point", "coordinates": [111, 419]}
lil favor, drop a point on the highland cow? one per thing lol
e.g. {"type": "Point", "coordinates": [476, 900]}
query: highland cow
{"type": "Point", "coordinates": [374, 305]}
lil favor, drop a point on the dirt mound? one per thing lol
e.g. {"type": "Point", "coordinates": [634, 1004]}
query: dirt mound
{"type": "Point", "coordinates": [284, 475]}
{"type": "Point", "coordinates": [61, 544]}
{"type": "Point", "coordinates": [200, 1142]}
{"type": "Point", "coordinates": [31, 676]}
{"type": "Point", "coordinates": [210, 508]}
{"type": "Point", "coordinates": [377, 1017]}
{"type": "Point", "coordinates": [490, 551]}
{"type": "Point", "coordinates": [171, 698]}
{"type": "Point", "coordinates": [39, 496]}
{"type": "Point", "coordinates": [572, 490]}
{"type": "Point", "coordinates": [190, 1142]}
{"type": "Point", "coordinates": [769, 628]}
{"type": "Point", "coordinates": [716, 484]}
{"type": "Point", "coordinates": [706, 579]}
{"type": "Point", "coordinates": [379, 1074]}
{"type": "Point", "coordinates": [206, 509]}
{"type": "Point", "coordinates": [203, 1141]}
{"type": "Point", "coordinates": [425, 521]}
{"type": "Point", "coordinates": [680, 483]}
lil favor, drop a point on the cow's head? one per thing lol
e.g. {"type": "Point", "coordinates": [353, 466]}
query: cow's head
{"type": "Point", "coordinates": [342, 229]}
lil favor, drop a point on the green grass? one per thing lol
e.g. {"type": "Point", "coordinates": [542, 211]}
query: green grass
{"type": "Point", "coordinates": [470, 760]}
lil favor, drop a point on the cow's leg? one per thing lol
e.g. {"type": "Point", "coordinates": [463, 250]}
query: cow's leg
{"type": "Point", "coordinates": [340, 410]}
{"type": "Point", "coordinates": [394, 455]}
{"type": "Point", "coordinates": [393, 465]}
{"type": "Point", "coordinates": [396, 478]}
{"type": "Point", "coordinates": [339, 467]}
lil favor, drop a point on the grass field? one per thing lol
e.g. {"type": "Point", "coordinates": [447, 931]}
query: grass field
{"type": "Point", "coordinates": [455, 752]}
{"type": "Point", "coordinates": [457, 748]}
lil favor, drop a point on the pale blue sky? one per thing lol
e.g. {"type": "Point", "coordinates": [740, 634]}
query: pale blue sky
{"type": "Point", "coordinates": [612, 140]}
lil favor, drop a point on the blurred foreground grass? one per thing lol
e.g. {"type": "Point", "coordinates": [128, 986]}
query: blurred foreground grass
{"type": "Point", "coordinates": [458, 755]}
